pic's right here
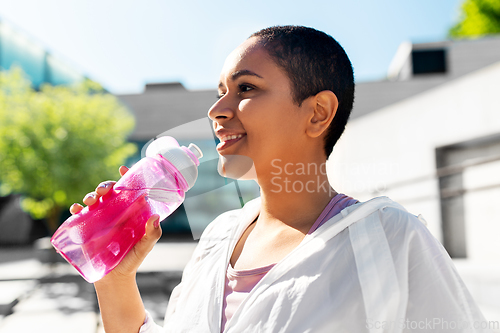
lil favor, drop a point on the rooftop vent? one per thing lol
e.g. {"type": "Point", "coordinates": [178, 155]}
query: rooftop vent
{"type": "Point", "coordinates": [413, 60]}
{"type": "Point", "coordinates": [428, 61]}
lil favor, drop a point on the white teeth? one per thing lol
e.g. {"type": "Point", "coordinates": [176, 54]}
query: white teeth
{"type": "Point", "coordinates": [231, 137]}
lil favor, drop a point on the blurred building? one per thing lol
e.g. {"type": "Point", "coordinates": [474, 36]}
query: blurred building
{"type": "Point", "coordinates": [17, 49]}
{"type": "Point", "coordinates": [429, 138]}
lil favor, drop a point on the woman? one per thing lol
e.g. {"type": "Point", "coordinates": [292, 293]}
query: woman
{"type": "Point", "coordinates": [302, 257]}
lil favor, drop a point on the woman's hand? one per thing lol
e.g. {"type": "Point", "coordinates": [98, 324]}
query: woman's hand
{"type": "Point", "coordinates": [129, 265]}
{"type": "Point", "coordinates": [93, 197]}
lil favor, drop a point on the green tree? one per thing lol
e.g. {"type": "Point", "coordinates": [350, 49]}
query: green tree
{"type": "Point", "coordinates": [56, 144]}
{"type": "Point", "coordinates": [478, 18]}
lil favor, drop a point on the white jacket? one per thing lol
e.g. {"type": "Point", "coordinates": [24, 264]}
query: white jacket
{"type": "Point", "coordinates": [372, 268]}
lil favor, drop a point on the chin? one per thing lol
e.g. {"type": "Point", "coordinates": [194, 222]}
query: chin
{"type": "Point", "coordinates": [236, 167]}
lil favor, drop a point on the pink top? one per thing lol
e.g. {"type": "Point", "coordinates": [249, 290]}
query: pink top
{"type": "Point", "coordinates": [240, 282]}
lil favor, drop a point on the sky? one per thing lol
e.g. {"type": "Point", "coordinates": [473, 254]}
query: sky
{"type": "Point", "coordinates": [125, 44]}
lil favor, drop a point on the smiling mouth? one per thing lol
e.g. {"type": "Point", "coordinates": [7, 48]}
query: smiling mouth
{"type": "Point", "coordinates": [229, 140]}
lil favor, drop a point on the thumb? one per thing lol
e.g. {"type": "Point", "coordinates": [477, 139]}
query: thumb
{"type": "Point", "coordinates": [153, 229]}
{"type": "Point", "coordinates": [153, 234]}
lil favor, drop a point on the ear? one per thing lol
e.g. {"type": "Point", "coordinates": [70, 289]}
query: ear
{"type": "Point", "coordinates": [324, 108]}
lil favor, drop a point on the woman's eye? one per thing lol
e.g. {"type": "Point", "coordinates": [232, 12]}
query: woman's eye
{"type": "Point", "coordinates": [244, 87]}
{"type": "Point", "coordinates": [241, 89]}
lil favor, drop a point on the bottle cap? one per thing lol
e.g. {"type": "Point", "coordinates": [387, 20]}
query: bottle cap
{"type": "Point", "coordinates": [195, 150]}
{"type": "Point", "coordinates": [185, 159]}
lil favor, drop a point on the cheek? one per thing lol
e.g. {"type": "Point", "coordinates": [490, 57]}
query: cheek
{"type": "Point", "coordinates": [268, 118]}
{"type": "Point", "coordinates": [254, 117]}
{"type": "Point", "coordinates": [246, 105]}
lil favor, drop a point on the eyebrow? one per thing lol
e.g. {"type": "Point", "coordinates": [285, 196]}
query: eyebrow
{"type": "Point", "coordinates": [240, 73]}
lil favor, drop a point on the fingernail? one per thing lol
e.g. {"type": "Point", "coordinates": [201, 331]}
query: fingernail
{"type": "Point", "coordinates": [156, 223]}
{"type": "Point", "coordinates": [103, 185]}
{"type": "Point", "coordinates": [90, 195]}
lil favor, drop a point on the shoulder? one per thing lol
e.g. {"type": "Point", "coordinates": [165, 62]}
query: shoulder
{"type": "Point", "coordinates": [397, 223]}
{"type": "Point", "coordinates": [386, 211]}
{"type": "Point", "coordinates": [389, 228]}
{"type": "Point", "coordinates": [395, 217]}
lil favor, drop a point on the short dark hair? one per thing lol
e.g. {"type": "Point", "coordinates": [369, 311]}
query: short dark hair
{"type": "Point", "coordinates": [313, 61]}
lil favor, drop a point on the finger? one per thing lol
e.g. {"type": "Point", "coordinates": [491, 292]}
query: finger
{"type": "Point", "coordinates": [104, 187]}
{"type": "Point", "coordinates": [75, 208]}
{"type": "Point", "coordinates": [153, 229]}
{"type": "Point", "coordinates": [90, 199]}
{"type": "Point", "coordinates": [153, 234]}
{"type": "Point", "coordinates": [123, 170]}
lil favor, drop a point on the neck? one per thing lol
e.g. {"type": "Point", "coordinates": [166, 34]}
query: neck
{"type": "Point", "coordinates": [295, 196]}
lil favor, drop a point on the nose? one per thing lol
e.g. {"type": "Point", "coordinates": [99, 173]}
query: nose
{"type": "Point", "coordinates": [221, 110]}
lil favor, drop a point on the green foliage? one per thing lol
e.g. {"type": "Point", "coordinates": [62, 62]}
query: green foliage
{"type": "Point", "coordinates": [59, 143]}
{"type": "Point", "coordinates": [479, 18]}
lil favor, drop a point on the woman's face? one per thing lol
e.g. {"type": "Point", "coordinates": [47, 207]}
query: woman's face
{"type": "Point", "coordinates": [255, 115]}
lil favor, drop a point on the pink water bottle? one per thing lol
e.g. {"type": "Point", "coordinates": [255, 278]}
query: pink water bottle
{"type": "Point", "coordinates": [95, 240]}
